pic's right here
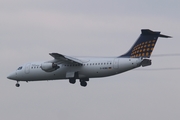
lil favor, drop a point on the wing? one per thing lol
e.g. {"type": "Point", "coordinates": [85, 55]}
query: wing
{"type": "Point", "coordinates": [59, 58]}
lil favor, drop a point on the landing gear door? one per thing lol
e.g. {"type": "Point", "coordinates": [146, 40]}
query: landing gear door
{"type": "Point", "coordinates": [116, 63]}
{"type": "Point", "coordinates": [70, 74]}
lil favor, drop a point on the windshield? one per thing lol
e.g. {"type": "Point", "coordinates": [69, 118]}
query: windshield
{"type": "Point", "coordinates": [19, 68]}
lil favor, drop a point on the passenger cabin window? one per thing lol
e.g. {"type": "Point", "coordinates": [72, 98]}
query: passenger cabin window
{"type": "Point", "coordinates": [19, 68]}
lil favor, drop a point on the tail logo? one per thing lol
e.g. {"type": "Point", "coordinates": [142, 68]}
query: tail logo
{"type": "Point", "coordinates": [144, 45]}
{"type": "Point", "coordinates": [143, 49]}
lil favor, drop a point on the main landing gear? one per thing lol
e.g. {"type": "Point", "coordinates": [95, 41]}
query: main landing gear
{"type": "Point", "coordinates": [17, 84]}
{"type": "Point", "coordinates": [83, 82]}
{"type": "Point", "coordinates": [72, 80]}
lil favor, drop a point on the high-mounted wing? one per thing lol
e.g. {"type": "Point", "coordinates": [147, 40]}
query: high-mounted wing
{"type": "Point", "coordinates": [59, 58]}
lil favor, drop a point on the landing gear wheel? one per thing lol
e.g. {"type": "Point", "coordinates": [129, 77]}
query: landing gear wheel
{"type": "Point", "coordinates": [17, 85]}
{"type": "Point", "coordinates": [72, 81]}
{"type": "Point", "coordinates": [83, 83]}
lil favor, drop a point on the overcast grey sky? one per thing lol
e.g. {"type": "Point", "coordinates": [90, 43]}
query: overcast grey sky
{"type": "Point", "coordinates": [30, 29]}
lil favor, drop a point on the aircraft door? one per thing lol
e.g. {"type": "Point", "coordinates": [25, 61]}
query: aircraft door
{"type": "Point", "coordinates": [27, 68]}
{"type": "Point", "coordinates": [116, 63]}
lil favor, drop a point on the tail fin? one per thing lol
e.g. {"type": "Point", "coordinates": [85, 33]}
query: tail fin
{"type": "Point", "coordinates": [144, 45]}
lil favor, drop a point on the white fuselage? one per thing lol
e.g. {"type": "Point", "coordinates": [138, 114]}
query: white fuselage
{"type": "Point", "coordinates": [91, 68]}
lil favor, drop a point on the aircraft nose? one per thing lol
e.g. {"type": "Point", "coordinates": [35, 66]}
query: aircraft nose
{"type": "Point", "coordinates": [12, 76]}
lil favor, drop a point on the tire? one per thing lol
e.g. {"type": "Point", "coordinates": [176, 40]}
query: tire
{"type": "Point", "coordinates": [83, 83]}
{"type": "Point", "coordinates": [72, 81]}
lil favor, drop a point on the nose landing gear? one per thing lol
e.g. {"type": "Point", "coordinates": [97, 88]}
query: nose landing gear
{"type": "Point", "coordinates": [17, 84]}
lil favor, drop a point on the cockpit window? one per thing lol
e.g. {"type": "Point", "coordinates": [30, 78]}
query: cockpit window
{"type": "Point", "coordinates": [19, 68]}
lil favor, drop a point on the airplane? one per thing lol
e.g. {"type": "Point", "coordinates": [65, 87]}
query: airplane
{"type": "Point", "coordinates": [84, 68]}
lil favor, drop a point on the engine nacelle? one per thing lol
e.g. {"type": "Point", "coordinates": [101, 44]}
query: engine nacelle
{"type": "Point", "coordinates": [49, 67]}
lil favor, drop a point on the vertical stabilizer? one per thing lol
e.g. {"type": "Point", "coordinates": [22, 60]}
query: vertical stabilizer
{"type": "Point", "coordinates": [144, 45]}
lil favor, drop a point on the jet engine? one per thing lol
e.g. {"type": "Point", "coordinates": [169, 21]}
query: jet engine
{"type": "Point", "coordinates": [49, 67]}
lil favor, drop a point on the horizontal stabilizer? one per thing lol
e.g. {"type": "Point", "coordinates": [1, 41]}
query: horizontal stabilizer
{"type": "Point", "coordinates": [150, 32]}
{"type": "Point", "coordinates": [164, 36]}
